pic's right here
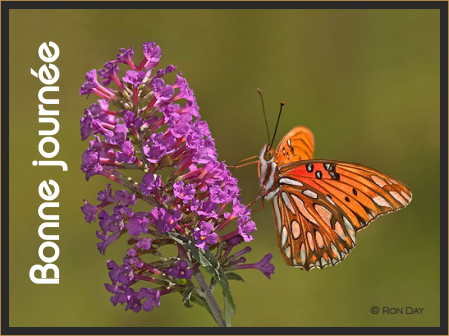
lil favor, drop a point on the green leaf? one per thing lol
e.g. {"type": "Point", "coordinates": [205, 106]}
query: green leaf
{"type": "Point", "coordinates": [212, 285]}
{"type": "Point", "coordinates": [234, 276]}
{"type": "Point", "coordinates": [186, 295]}
{"type": "Point", "coordinates": [177, 238]}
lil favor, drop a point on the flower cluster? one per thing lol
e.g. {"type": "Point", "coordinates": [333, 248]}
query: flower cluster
{"type": "Point", "coordinates": [146, 125]}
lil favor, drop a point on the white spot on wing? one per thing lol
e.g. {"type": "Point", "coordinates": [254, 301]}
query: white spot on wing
{"type": "Point", "coordinates": [349, 228]}
{"type": "Point", "coordinates": [287, 202]}
{"type": "Point", "coordinates": [379, 200]}
{"type": "Point", "coordinates": [303, 210]}
{"type": "Point", "coordinates": [284, 236]}
{"type": "Point", "coordinates": [277, 213]}
{"type": "Point", "coordinates": [289, 181]}
{"type": "Point", "coordinates": [296, 229]}
{"type": "Point", "coordinates": [319, 239]}
{"type": "Point", "coordinates": [302, 253]}
{"type": "Point", "coordinates": [380, 182]}
{"type": "Point", "coordinates": [397, 197]}
{"type": "Point", "coordinates": [289, 143]}
{"type": "Point", "coordinates": [310, 241]}
{"type": "Point", "coordinates": [339, 230]}
{"type": "Point", "coordinates": [288, 252]}
{"type": "Point", "coordinates": [323, 262]}
{"type": "Point", "coordinates": [324, 213]}
{"type": "Point", "coordinates": [310, 193]}
{"type": "Point", "coordinates": [334, 249]}
{"type": "Point", "coordinates": [330, 200]}
{"type": "Point", "coordinates": [407, 197]}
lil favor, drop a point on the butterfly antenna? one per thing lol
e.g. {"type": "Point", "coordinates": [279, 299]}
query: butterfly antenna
{"type": "Point", "coordinates": [264, 114]}
{"type": "Point", "coordinates": [277, 123]}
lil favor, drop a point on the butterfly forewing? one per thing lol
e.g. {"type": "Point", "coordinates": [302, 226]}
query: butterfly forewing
{"type": "Point", "coordinates": [296, 145]}
{"type": "Point", "coordinates": [322, 204]}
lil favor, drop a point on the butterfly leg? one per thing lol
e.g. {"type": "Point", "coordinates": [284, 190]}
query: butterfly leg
{"type": "Point", "coordinates": [243, 165]}
{"type": "Point", "coordinates": [257, 197]}
{"type": "Point", "coordinates": [246, 164]}
{"type": "Point", "coordinates": [253, 211]}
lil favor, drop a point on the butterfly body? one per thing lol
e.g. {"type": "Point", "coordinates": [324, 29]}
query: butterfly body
{"type": "Point", "coordinates": [319, 205]}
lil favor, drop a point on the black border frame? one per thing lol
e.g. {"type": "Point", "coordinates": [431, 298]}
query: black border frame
{"type": "Point", "coordinates": [6, 329]}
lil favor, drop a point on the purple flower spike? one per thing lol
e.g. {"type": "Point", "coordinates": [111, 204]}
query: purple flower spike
{"type": "Point", "coordinates": [146, 134]}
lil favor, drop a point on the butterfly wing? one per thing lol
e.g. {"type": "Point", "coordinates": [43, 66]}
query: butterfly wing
{"type": "Point", "coordinates": [322, 204]}
{"type": "Point", "coordinates": [297, 145]}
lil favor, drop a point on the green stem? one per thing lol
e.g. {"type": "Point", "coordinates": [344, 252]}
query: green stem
{"type": "Point", "coordinates": [209, 298]}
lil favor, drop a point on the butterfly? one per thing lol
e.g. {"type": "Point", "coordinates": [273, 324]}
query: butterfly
{"type": "Point", "coordinates": [320, 205]}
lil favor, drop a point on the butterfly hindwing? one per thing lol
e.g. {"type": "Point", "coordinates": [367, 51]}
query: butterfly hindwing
{"type": "Point", "coordinates": [309, 234]}
{"type": "Point", "coordinates": [322, 204]}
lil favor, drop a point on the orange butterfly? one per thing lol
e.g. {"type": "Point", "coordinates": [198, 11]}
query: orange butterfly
{"type": "Point", "coordinates": [320, 205]}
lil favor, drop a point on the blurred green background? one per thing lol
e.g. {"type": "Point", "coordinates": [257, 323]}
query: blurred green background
{"type": "Point", "coordinates": [365, 81]}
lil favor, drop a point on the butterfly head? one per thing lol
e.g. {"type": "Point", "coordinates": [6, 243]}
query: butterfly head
{"type": "Point", "coordinates": [267, 154]}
